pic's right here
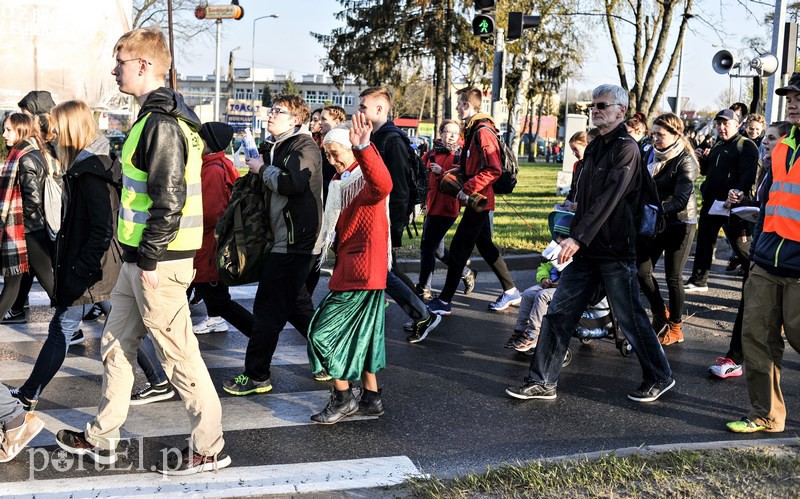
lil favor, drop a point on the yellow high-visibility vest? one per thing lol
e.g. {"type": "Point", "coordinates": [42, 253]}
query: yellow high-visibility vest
{"type": "Point", "coordinates": [135, 202]}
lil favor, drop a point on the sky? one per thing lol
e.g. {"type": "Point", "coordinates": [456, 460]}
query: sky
{"type": "Point", "coordinates": [285, 44]}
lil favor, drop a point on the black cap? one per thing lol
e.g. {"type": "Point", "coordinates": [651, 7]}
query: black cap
{"type": "Point", "coordinates": [216, 135]}
{"type": "Point", "coordinates": [793, 86]}
{"type": "Point", "coordinates": [727, 114]}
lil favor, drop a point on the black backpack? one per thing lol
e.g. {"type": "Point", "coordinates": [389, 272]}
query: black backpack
{"type": "Point", "coordinates": [416, 175]}
{"type": "Point", "coordinates": [508, 163]}
{"type": "Point", "coordinates": [244, 236]}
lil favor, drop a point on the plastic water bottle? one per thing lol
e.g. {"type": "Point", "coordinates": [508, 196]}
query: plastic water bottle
{"type": "Point", "coordinates": [250, 149]}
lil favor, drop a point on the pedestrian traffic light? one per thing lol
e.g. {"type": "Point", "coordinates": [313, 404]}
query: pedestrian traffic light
{"type": "Point", "coordinates": [483, 25]}
{"type": "Point", "coordinates": [483, 22]}
{"type": "Point", "coordinates": [518, 22]}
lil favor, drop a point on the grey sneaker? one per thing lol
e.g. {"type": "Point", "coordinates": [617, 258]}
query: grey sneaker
{"type": "Point", "coordinates": [532, 391]}
{"type": "Point", "coordinates": [469, 281]}
{"type": "Point", "coordinates": [244, 385]}
{"type": "Point", "coordinates": [649, 391]}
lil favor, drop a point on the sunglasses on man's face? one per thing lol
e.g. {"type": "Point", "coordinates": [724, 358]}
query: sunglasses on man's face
{"type": "Point", "coordinates": [603, 105]}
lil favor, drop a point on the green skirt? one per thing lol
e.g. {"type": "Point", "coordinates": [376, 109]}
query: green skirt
{"type": "Point", "coordinates": [346, 335]}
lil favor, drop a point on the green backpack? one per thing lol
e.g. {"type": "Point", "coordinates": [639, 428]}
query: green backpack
{"type": "Point", "coordinates": [243, 233]}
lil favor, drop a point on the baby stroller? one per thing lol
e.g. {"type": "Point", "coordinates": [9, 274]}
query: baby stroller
{"type": "Point", "coordinates": [598, 322]}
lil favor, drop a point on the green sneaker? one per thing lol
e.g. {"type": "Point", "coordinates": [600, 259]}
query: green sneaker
{"type": "Point", "coordinates": [744, 425]}
{"type": "Point", "coordinates": [243, 385]}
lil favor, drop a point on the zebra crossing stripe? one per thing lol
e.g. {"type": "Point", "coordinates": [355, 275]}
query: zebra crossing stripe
{"type": "Point", "coordinates": [319, 477]}
{"type": "Point", "coordinates": [163, 419]}
{"type": "Point", "coordinates": [77, 365]}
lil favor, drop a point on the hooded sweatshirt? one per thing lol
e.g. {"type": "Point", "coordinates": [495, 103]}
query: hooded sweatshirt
{"type": "Point", "coordinates": [162, 152]}
{"type": "Point", "coordinates": [87, 226]}
{"type": "Point", "coordinates": [293, 176]}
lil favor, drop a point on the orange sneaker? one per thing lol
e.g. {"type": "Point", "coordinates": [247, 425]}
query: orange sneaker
{"type": "Point", "coordinates": [674, 334]}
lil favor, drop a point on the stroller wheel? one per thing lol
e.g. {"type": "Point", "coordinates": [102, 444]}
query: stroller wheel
{"type": "Point", "coordinates": [625, 348]}
{"type": "Point", "coordinates": [586, 341]}
{"type": "Point", "coordinates": [567, 358]}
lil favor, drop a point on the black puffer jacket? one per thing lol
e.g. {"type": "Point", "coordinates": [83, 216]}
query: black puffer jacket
{"type": "Point", "coordinates": [32, 173]}
{"type": "Point", "coordinates": [162, 152]}
{"type": "Point", "coordinates": [608, 197]}
{"type": "Point", "coordinates": [87, 226]}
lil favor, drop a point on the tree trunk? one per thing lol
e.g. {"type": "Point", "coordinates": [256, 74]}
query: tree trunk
{"type": "Point", "coordinates": [513, 133]}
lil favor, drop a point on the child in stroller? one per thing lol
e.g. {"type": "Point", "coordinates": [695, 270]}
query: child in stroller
{"type": "Point", "coordinates": [536, 298]}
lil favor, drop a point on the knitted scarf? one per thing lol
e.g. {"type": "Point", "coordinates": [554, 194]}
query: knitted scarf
{"type": "Point", "coordinates": [662, 157]}
{"type": "Point", "coordinates": [341, 191]}
{"type": "Point", "coordinates": [13, 251]}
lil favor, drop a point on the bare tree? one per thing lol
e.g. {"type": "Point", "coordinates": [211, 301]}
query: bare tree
{"type": "Point", "coordinates": [148, 13]}
{"type": "Point", "coordinates": [654, 24]}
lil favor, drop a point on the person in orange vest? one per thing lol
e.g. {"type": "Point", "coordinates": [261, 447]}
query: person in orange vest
{"type": "Point", "coordinates": [772, 291]}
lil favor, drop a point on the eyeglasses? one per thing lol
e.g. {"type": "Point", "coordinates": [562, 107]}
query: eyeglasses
{"type": "Point", "coordinates": [120, 63]}
{"type": "Point", "coordinates": [603, 105]}
{"type": "Point", "coordinates": [276, 111]}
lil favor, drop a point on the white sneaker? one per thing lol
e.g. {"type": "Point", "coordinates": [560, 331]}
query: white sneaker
{"type": "Point", "coordinates": [694, 288]}
{"type": "Point", "coordinates": [211, 325]}
{"type": "Point", "coordinates": [506, 300]}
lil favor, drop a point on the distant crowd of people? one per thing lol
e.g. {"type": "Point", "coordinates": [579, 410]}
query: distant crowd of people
{"type": "Point", "coordinates": [144, 227]}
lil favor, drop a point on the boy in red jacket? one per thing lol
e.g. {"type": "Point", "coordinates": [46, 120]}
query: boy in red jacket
{"type": "Point", "coordinates": [217, 176]}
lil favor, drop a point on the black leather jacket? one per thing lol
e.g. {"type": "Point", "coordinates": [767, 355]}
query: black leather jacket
{"type": "Point", "coordinates": [162, 152]}
{"type": "Point", "coordinates": [32, 173]}
{"type": "Point", "coordinates": [675, 182]}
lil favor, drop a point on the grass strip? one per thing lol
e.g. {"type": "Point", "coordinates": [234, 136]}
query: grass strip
{"type": "Point", "coordinates": [731, 473]}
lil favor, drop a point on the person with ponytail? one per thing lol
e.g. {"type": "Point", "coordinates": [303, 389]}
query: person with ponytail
{"type": "Point", "coordinates": [24, 243]}
{"type": "Point", "coordinates": [674, 169]}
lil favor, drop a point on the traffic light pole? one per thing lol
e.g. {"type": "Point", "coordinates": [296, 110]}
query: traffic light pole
{"type": "Point", "coordinates": [498, 75]}
{"type": "Point", "coordinates": [216, 71]}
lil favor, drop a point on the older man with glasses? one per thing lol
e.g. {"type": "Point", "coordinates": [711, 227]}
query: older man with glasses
{"type": "Point", "coordinates": [602, 246]}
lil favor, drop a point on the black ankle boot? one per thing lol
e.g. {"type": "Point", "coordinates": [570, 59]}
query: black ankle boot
{"type": "Point", "coordinates": [370, 403]}
{"type": "Point", "coordinates": [340, 405]}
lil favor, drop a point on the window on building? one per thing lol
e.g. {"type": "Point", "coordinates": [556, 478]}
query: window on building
{"type": "Point", "coordinates": [336, 98]}
{"type": "Point", "coordinates": [310, 96]}
{"type": "Point", "coordinates": [348, 100]}
{"type": "Point", "coordinates": [323, 96]}
{"type": "Point", "coordinates": [239, 93]}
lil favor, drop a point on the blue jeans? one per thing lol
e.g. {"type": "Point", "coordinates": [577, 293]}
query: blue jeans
{"type": "Point", "coordinates": [64, 323]}
{"type": "Point", "coordinates": [148, 360]}
{"type": "Point", "coordinates": [405, 297]}
{"type": "Point", "coordinates": [575, 288]}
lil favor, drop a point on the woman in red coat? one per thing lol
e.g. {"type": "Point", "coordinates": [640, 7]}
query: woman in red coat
{"type": "Point", "coordinates": [346, 335]}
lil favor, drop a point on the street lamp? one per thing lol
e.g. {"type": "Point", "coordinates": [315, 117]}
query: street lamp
{"type": "Point", "coordinates": [686, 16]}
{"type": "Point", "coordinates": [253, 67]}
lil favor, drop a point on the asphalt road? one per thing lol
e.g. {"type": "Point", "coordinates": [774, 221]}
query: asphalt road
{"type": "Point", "coordinates": [446, 409]}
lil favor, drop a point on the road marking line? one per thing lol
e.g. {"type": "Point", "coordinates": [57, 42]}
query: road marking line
{"type": "Point", "coordinates": [322, 476]}
{"type": "Point", "coordinates": [161, 419]}
{"type": "Point", "coordinates": [214, 359]}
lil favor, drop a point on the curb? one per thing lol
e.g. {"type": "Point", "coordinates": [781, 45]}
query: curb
{"type": "Point", "coordinates": [527, 261]}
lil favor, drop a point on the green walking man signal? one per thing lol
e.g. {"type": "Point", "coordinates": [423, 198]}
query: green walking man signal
{"type": "Point", "coordinates": [483, 25]}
